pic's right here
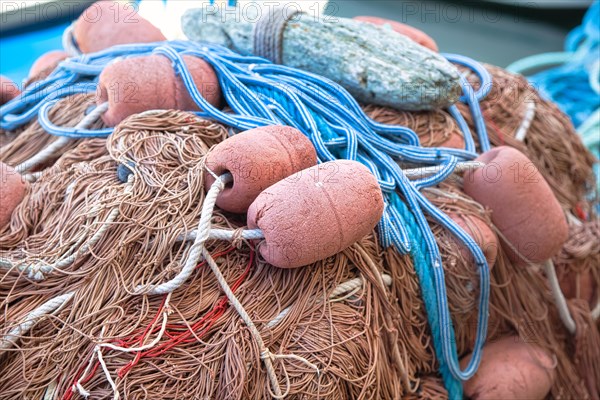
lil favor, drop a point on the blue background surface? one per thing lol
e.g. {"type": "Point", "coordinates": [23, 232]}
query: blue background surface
{"type": "Point", "coordinates": [19, 51]}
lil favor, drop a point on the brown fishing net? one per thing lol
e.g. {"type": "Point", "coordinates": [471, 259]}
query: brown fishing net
{"type": "Point", "coordinates": [520, 300]}
{"type": "Point", "coordinates": [352, 326]}
{"type": "Point", "coordinates": [577, 263]}
{"type": "Point", "coordinates": [205, 351]}
{"type": "Point", "coordinates": [25, 144]}
{"type": "Point", "coordinates": [8, 136]}
{"type": "Point", "coordinates": [435, 128]}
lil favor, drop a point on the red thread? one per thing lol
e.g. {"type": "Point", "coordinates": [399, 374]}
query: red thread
{"type": "Point", "coordinates": [580, 213]}
{"type": "Point", "coordinates": [178, 334]}
{"type": "Point", "coordinates": [184, 337]}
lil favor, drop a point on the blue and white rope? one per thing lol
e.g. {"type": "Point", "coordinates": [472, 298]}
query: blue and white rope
{"type": "Point", "coordinates": [261, 93]}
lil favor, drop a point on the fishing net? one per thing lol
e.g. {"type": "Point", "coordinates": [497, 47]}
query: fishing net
{"type": "Point", "coordinates": [107, 220]}
{"type": "Point", "coordinates": [435, 128]}
{"type": "Point", "coordinates": [553, 145]}
{"type": "Point", "coordinates": [520, 300]}
{"type": "Point", "coordinates": [345, 332]}
{"type": "Point", "coordinates": [33, 138]}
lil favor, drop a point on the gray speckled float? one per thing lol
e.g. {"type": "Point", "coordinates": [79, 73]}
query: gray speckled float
{"type": "Point", "coordinates": [374, 64]}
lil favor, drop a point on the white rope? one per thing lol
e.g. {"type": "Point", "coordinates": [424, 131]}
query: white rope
{"type": "Point", "coordinates": [265, 354]}
{"type": "Point", "coordinates": [49, 307]}
{"type": "Point", "coordinates": [225, 234]}
{"type": "Point", "coordinates": [33, 177]}
{"type": "Point", "coordinates": [112, 384]}
{"type": "Point", "coordinates": [60, 143]}
{"type": "Point", "coordinates": [198, 250]}
{"type": "Point", "coordinates": [197, 247]}
{"type": "Point", "coordinates": [573, 220]}
{"type": "Point", "coordinates": [526, 123]}
{"type": "Point", "coordinates": [596, 311]}
{"type": "Point", "coordinates": [345, 287]}
{"type": "Point", "coordinates": [68, 42]}
{"type": "Point", "coordinates": [166, 312]}
{"type": "Point", "coordinates": [559, 298]}
{"type": "Point", "coordinates": [79, 386]}
{"type": "Point", "coordinates": [50, 391]}
{"type": "Point", "coordinates": [426, 171]}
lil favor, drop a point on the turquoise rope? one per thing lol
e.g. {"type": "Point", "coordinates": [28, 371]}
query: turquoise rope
{"type": "Point", "coordinates": [537, 62]}
{"type": "Point", "coordinates": [424, 271]}
{"type": "Point", "coordinates": [574, 82]}
{"type": "Point", "coordinates": [590, 133]}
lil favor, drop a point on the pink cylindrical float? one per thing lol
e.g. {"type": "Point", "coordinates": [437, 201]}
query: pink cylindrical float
{"type": "Point", "coordinates": [257, 159]}
{"type": "Point", "coordinates": [511, 369]}
{"type": "Point", "coordinates": [146, 83]}
{"type": "Point", "coordinates": [12, 191]}
{"type": "Point", "coordinates": [46, 63]}
{"type": "Point", "coordinates": [481, 234]}
{"type": "Point", "coordinates": [523, 206]}
{"type": "Point", "coordinates": [108, 23]}
{"type": "Point", "coordinates": [8, 90]}
{"type": "Point", "coordinates": [316, 213]}
{"type": "Point", "coordinates": [414, 34]}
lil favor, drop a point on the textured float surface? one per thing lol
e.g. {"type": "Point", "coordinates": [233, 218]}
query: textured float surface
{"type": "Point", "coordinates": [481, 234]}
{"type": "Point", "coordinates": [106, 23]}
{"type": "Point", "coordinates": [257, 159]}
{"type": "Point", "coordinates": [146, 83]}
{"type": "Point", "coordinates": [523, 206]}
{"type": "Point", "coordinates": [316, 213]}
{"type": "Point", "coordinates": [376, 65]}
{"type": "Point", "coordinates": [12, 191]}
{"type": "Point", "coordinates": [511, 369]}
{"type": "Point", "coordinates": [8, 90]}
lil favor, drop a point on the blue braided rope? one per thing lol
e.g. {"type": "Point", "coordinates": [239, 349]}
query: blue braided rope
{"type": "Point", "coordinates": [261, 93]}
{"type": "Point", "coordinates": [423, 269]}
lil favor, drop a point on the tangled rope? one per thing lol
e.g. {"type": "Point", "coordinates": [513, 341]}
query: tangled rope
{"type": "Point", "coordinates": [261, 93]}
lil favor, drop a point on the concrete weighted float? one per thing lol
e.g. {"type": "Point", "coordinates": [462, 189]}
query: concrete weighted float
{"type": "Point", "coordinates": [523, 206]}
{"type": "Point", "coordinates": [511, 369]}
{"type": "Point", "coordinates": [8, 90]}
{"type": "Point", "coordinates": [108, 23]}
{"type": "Point", "coordinates": [376, 65]}
{"type": "Point", "coordinates": [257, 159]}
{"type": "Point", "coordinates": [12, 191]}
{"type": "Point", "coordinates": [316, 213]}
{"type": "Point", "coordinates": [414, 34]}
{"type": "Point", "coordinates": [139, 84]}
